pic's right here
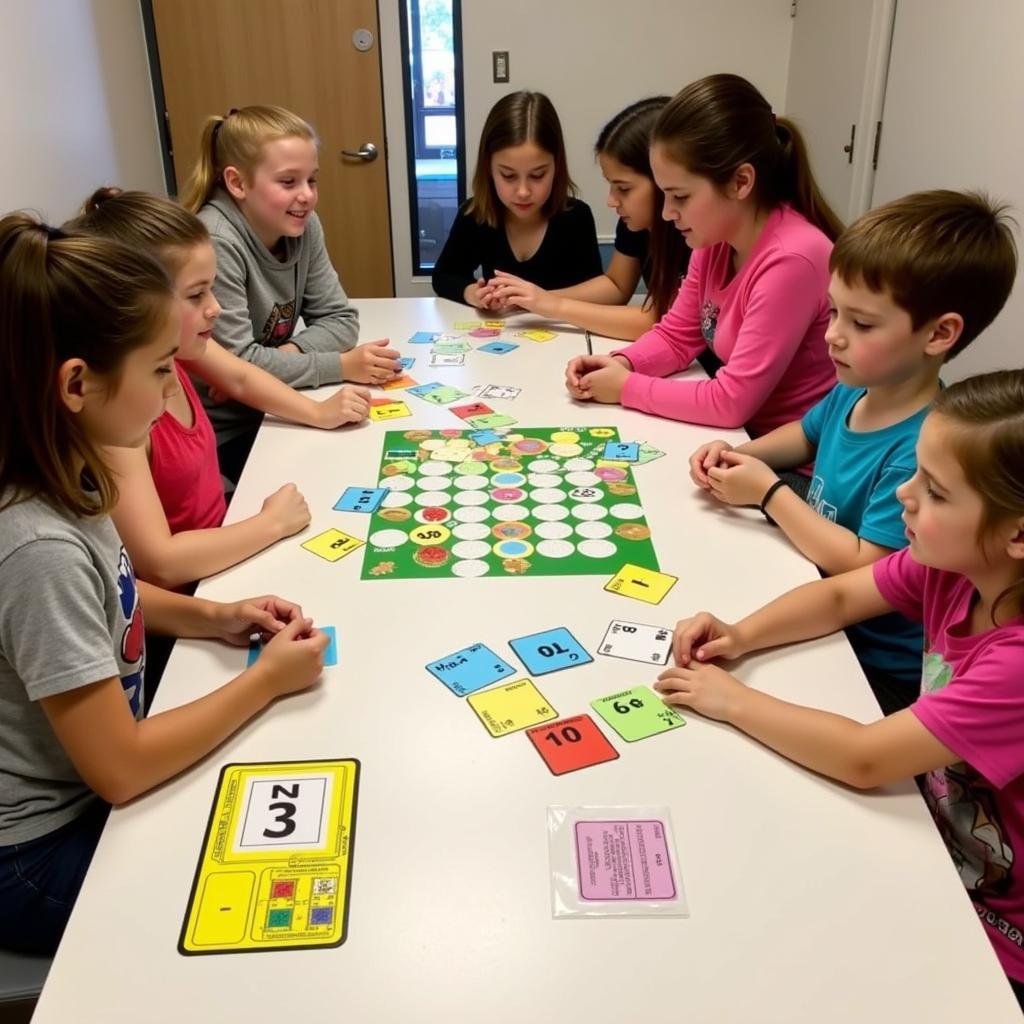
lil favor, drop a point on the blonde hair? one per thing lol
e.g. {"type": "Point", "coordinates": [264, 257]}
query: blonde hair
{"type": "Point", "coordinates": [61, 298]}
{"type": "Point", "coordinates": [238, 140]}
{"type": "Point", "coordinates": [987, 414]}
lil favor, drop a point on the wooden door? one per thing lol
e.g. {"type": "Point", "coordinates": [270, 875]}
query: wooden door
{"type": "Point", "coordinates": [299, 54]}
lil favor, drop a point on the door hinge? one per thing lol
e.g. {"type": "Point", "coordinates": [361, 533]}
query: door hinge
{"type": "Point", "coordinates": [848, 148]}
{"type": "Point", "coordinates": [792, 8]}
{"type": "Point", "coordinates": [167, 134]}
{"type": "Point", "coordinates": [878, 142]}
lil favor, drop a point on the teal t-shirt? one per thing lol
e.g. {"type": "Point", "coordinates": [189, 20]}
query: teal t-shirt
{"type": "Point", "coordinates": [855, 479]}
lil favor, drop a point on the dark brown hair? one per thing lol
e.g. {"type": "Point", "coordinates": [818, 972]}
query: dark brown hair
{"type": "Point", "coordinates": [152, 223]}
{"type": "Point", "coordinates": [720, 122]}
{"type": "Point", "coordinates": [934, 252]}
{"type": "Point", "coordinates": [627, 139]}
{"type": "Point", "coordinates": [237, 140]}
{"type": "Point", "coordinates": [987, 414]}
{"type": "Point", "coordinates": [61, 298]}
{"type": "Point", "coordinates": [517, 118]}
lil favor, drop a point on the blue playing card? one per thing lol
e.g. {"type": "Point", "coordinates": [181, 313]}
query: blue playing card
{"type": "Point", "coordinates": [330, 654]}
{"type": "Point", "coordinates": [498, 348]}
{"type": "Point", "coordinates": [485, 437]}
{"type": "Point", "coordinates": [423, 338]}
{"type": "Point", "coordinates": [549, 651]}
{"type": "Point", "coordinates": [470, 669]}
{"type": "Point", "coordinates": [423, 389]}
{"type": "Point", "coordinates": [360, 499]}
{"type": "Point", "coordinates": [406, 362]}
{"type": "Point", "coordinates": [622, 451]}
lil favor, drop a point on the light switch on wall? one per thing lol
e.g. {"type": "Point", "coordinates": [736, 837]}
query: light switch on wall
{"type": "Point", "coordinates": [499, 59]}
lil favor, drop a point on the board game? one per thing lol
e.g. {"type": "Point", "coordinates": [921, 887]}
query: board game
{"type": "Point", "coordinates": [536, 501]}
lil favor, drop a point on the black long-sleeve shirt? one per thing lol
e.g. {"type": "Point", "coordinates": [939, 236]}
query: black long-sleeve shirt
{"type": "Point", "coordinates": [567, 255]}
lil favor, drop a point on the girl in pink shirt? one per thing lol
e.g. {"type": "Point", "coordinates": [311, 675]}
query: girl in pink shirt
{"type": "Point", "coordinates": [738, 186]}
{"type": "Point", "coordinates": [962, 577]}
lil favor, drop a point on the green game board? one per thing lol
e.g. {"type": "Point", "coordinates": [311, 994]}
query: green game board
{"type": "Point", "coordinates": [536, 502]}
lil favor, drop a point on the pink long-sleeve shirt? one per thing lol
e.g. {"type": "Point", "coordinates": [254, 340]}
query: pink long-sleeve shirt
{"type": "Point", "coordinates": [767, 324]}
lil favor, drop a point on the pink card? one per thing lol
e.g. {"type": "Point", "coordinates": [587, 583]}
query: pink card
{"type": "Point", "coordinates": [484, 332]}
{"type": "Point", "coordinates": [623, 860]}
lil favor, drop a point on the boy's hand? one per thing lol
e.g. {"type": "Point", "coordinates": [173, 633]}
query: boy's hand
{"type": "Point", "coordinates": [703, 637]}
{"type": "Point", "coordinates": [600, 378]}
{"type": "Point", "coordinates": [235, 621]}
{"type": "Point", "coordinates": [706, 457]}
{"type": "Point", "coordinates": [287, 510]}
{"type": "Point", "coordinates": [707, 689]}
{"type": "Point", "coordinates": [294, 658]}
{"type": "Point", "coordinates": [740, 479]}
{"type": "Point", "coordinates": [371, 363]}
{"type": "Point", "coordinates": [349, 405]}
{"type": "Point", "coordinates": [514, 291]}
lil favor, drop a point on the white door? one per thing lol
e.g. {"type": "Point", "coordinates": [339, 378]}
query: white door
{"type": "Point", "coordinates": [834, 92]}
{"type": "Point", "coordinates": [954, 118]}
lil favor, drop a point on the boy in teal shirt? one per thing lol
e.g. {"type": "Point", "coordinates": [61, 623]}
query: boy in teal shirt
{"type": "Point", "coordinates": [913, 283]}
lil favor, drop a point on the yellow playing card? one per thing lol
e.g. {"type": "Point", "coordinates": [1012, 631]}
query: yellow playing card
{"type": "Point", "coordinates": [468, 325]}
{"type": "Point", "coordinates": [496, 325]}
{"type": "Point", "coordinates": [640, 583]}
{"type": "Point", "coordinates": [389, 411]}
{"type": "Point", "coordinates": [512, 707]}
{"type": "Point", "coordinates": [332, 545]}
{"type": "Point", "coordinates": [538, 335]}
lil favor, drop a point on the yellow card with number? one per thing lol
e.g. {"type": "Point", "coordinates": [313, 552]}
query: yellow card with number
{"type": "Point", "coordinates": [512, 707]}
{"type": "Point", "coordinates": [538, 335]}
{"type": "Point", "coordinates": [275, 869]}
{"type": "Point", "coordinates": [389, 410]}
{"type": "Point", "coordinates": [332, 544]}
{"type": "Point", "coordinates": [494, 325]}
{"type": "Point", "coordinates": [640, 583]}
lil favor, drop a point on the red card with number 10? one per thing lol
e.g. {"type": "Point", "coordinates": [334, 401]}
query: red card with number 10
{"type": "Point", "coordinates": [571, 744]}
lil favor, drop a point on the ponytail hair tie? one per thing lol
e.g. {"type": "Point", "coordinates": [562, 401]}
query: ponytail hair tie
{"type": "Point", "coordinates": [217, 127]}
{"type": "Point", "coordinates": [53, 234]}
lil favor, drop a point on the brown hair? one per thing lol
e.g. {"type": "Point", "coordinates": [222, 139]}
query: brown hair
{"type": "Point", "coordinates": [517, 118]}
{"type": "Point", "coordinates": [934, 252]}
{"type": "Point", "coordinates": [63, 298]}
{"type": "Point", "coordinates": [987, 412]}
{"type": "Point", "coordinates": [720, 122]}
{"type": "Point", "coordinates": [146, 221]}
{"type": "Point", "coordinates": [237, 140]}
{"type": "Point", "coordinates": [627, 139]}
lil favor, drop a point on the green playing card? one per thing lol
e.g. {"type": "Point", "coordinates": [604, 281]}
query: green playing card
{"type": "Point", "coordinates": [490, 420]}
{"type": "Point", "coordinates": [443, 395]}
{"type": "Point", "coordinates": [648, 453]}
{"type": "Point", "coordinates": [637, 713]}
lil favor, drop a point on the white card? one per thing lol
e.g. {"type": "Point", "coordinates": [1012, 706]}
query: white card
{"type": "Point", "coordinates": [635, 641]}
{"type": "Point", "coordinates": [447, 359]}
{"type": "Point", "coordinates": [499, 391]}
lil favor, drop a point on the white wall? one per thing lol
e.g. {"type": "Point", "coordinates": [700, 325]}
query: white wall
{"type": "Point", "coordinates": [77, 108]}
{"type": "Point", "coordinates": [596, 57]}
{"type": "Point", "coordinates": [953, 119]}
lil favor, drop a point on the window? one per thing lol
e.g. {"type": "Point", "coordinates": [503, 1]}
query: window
{"type": "Point", "coordinates": [431, 40]}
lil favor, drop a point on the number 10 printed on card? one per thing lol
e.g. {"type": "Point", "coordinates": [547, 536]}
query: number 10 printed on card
{"type": "Point", "coordinates": [276, 863]}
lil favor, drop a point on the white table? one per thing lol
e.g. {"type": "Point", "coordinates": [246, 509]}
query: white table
{"type": "Point", "coordinates": [809, 901]}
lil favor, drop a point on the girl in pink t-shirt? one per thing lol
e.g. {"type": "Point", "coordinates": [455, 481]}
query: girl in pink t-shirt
{"type": "Point", "coordinates": [963, 578]}
{"type": "Point", "coordinates": [738, 186]}
{"type": "Point", "coordinates": [171, 496]}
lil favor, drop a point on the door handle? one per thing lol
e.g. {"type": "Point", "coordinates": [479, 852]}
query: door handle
{"type": "Point", "coordinates": [367, 151]}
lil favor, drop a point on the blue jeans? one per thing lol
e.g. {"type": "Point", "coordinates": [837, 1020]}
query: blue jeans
{"type": "Point", "coordinates": [40, 880]}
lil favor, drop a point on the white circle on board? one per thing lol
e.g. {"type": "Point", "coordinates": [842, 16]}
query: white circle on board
{"type": "Point", "coordinates": [435, 469]}
{"type": "Point", "coordinates": [545, 479]}
{"type": "Point", "coordinates": [550, 513]}
{"type": "Point", "coordinates": [544, 465]}
{"type": "Point", "coordinates": [425, 498]}
{"type": "Point", "coordinates": [565, 450]}
{"type": "Point", "coordinates": [553, 531]}
{"type": "Point", "coordinates": [589, 512]}
{"type": "Point", "coordinates": [439, 483]}
{"type": "Point", "coordinates": [510, 513]}
{"type": "Point", "coordinates": [388, 538]}
{"type": "Point", "coordinates": [470, 531]}
{"type": "Point", "coordinates": [398, 483]}
{"type": "Point", "coordinates": [582, 479]}
{"type": "Point", "coordinates": [471, 483]}
{"type": "Point", "coordinates": [477, 549]}
{"type": "Point", "coordinates": [471, 515]}
{"type": "Point", "coordinates": [396, 499]}
{"type": "Point", "coordinates": [556, 548]}
{"type": "Point", "coordinates": [547, 496]}
{"type": "Point", "coordinates": [470, 498]}
{"type": "Point", "coordinates": [594, 530]}
{"type": "Point", "coordinates": [587, 495]}
{"type": "Point", "coordinates": [627, 511]}
{"type": "Point", "coordinates": [575, 465]}
{"type": "Point", "coordinates": [596, 548]}
{"type": "Point", "coordinates": [470, 568]}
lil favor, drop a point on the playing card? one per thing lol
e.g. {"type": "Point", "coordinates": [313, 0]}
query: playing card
{"type": "Point", "coordinates": [636, 641]}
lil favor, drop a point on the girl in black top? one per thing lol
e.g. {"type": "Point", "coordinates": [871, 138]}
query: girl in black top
{"type": "Point", "coordinates": [523, 217]}
{"type": "Point", "coordinates": [644, 244]}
